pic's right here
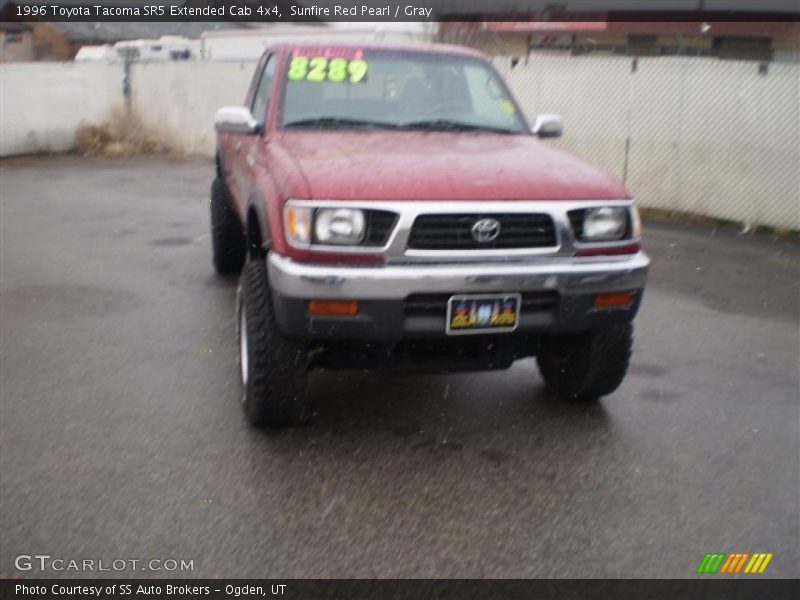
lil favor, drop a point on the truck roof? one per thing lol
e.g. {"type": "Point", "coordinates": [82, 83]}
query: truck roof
{"type": "Point", "coordinates": [430, 48]}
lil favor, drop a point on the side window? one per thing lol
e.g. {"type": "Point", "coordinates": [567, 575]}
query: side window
{"type": "Point", "coordinates": [251, 89]}
{"type": "Point", "coordinates": [263, 91]}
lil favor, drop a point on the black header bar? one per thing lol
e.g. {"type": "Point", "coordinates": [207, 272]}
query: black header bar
{"type": "Point", "coordinates": [277, 11]}
{"type": "Point", "coordinates": [397, 589]}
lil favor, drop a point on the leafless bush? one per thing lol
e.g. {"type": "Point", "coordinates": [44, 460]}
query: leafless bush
{"type": "Point", "coordinates": [122, 134]}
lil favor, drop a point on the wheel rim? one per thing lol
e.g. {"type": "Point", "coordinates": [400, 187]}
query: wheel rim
{"type": "Point", "coordinates": [244, 361]}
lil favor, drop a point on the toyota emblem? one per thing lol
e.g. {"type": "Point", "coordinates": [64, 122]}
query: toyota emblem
{"type": "Point", "coordinates": [486, 230]}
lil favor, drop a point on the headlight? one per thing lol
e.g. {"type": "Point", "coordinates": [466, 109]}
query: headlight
{"type": "Point", "coordinates": [604, 224]}
{"type": "Point", "coordinates": [339, 226]}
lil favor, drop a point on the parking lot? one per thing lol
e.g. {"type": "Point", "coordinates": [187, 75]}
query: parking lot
{"type": "Point", "coordinates": [121, 434]}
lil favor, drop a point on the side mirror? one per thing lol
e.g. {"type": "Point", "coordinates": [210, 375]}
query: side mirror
{"type": "Point", "coordinates": [236, 119]}
{"type": "Point", "coordinates": [548, 126]}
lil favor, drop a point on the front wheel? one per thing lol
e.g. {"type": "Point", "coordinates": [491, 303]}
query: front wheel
{"type": "Point", "coordinates": [273, 368]}
{"type": "Point", "coordinates": [586, 366]}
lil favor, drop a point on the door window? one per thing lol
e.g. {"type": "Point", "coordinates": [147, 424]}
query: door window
{"type": "Point", "coordinates": [263, 91]}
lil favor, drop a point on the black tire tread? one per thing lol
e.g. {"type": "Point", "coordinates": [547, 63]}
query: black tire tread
{"type": "Point", "coordinates": [277, 378]}
{"type": "Point", "coordinates": [227, 237]}
{"type": "Point", "coordinates": [586, 366]}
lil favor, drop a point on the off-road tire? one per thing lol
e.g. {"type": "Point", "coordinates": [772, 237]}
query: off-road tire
{"type": "Point", "coordinates": [227, 237]}
{"type": "Point", "coordinates": [273, 391]}
{"type": "Point", "coordinates": [586, 366]}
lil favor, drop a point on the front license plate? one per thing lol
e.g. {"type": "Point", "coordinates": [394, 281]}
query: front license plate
{"type": "Point", "coordinates": [482, 313]}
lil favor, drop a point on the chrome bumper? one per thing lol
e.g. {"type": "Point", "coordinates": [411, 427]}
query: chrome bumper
{"type": "Point", "coordinates": [566, 275]}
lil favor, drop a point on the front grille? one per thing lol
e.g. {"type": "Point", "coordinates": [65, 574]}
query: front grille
{"type": "Point", "coordinates": [380, 224]}
{"type": "Point", "coordinates": [424, 305]}
{"type": "Point", "coordinates": [454, 232]}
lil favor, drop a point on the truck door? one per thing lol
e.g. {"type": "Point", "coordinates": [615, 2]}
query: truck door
{"type": "Point", "coordinates": [245, 147]}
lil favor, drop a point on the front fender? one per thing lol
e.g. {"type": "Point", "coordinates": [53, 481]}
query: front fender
{"type": "Point", "coordinates": [257, 216]}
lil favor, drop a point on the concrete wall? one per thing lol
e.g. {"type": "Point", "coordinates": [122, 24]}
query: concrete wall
{"type": "Point", "coordinates": [710, 137]}
{"type": "Point", "coordinates": [180, 99]}
{"type": "Point", "coordinates": [42, 104]}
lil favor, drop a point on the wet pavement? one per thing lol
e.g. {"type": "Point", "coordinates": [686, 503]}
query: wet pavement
{"type": "Point", "coordinates": [121, 434]}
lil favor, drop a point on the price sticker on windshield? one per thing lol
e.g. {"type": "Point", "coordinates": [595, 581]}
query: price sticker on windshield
{"type": "Point", "coordinates": [320, 69]}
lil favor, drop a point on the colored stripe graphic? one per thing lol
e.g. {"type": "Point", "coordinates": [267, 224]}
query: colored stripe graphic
{"type": "Point", "coordinates": [764, 564]}
{"type": "Point", "coordinates": [733, 563]}
{"type": "Point", "coordinates": [728, 564]}
{"type": "Point", "coordinates": [758, 564]}
{"type": "Point", "coordinates": [741, 562]}
{"type": "Point", "coordinates": [711, 562]}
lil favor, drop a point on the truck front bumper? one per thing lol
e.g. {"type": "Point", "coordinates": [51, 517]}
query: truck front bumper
{"type": "Point", "coordinates": [402, 301]}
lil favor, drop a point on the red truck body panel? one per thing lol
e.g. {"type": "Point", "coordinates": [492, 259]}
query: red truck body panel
{"type": "Point", "coordinates": [419, 165]}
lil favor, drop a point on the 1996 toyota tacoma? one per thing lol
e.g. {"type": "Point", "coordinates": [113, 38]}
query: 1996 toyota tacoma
{"type": "Point", "coordinates": [390, 207]}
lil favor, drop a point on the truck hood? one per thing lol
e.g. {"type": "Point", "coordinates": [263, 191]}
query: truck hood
{"type": "Point", "coordinates": [400, 165]}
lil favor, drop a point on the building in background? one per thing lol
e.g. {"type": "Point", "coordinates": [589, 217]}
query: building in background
{"type": "Point", "coordinates": [230, 40]}
{"type": "Point", "coordinates": [32, 40]}
{"type": "Point", "coordinates": [16, 42]}
{"type": "Point", "coordinates": [722, 29]}
{"type": "Point", "coordinates": [249, 44]}
{"type": "Point", "coordinates": [165, 48]}
{"type": "Point", "coordinates": [46, 41]}
{"type": "Point", "coordinates": [765, 41]}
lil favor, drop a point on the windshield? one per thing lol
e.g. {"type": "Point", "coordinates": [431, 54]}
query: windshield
{"type": "Point", "coordinates": [350, 89]}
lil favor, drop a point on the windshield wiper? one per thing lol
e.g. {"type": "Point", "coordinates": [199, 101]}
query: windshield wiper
{"type": "Point", "coordinates": [339, 123]}
{"type": "Point", "coordinates": [450, 125]}
{"type": "Point", "coordinates": [428, 124]}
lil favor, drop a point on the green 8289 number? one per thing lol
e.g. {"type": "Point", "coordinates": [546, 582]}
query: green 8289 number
{"type": "Point", "coordinates": [320, 69]}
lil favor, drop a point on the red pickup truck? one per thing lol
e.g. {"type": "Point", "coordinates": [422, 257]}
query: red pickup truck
{"type": "Point", "coordinates": [390, 207]}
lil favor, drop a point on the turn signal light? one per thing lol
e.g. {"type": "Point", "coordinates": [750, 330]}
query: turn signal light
{"type": "Point", "coordinates": [612, 300]}
{"type": "Point", "coordinates": [329, 308]}
{"type": "Point", "coordinates": [298, 224]}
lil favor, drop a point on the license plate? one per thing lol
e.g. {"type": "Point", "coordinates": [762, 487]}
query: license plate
{"type": "Point", "coordinates": [482, 313]}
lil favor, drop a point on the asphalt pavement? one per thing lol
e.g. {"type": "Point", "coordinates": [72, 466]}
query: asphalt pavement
{"type": "Point", "coordinates": [121, 436]}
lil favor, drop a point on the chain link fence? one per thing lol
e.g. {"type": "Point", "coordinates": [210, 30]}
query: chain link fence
{"type": "Point", "coordinates": [701, 136]}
